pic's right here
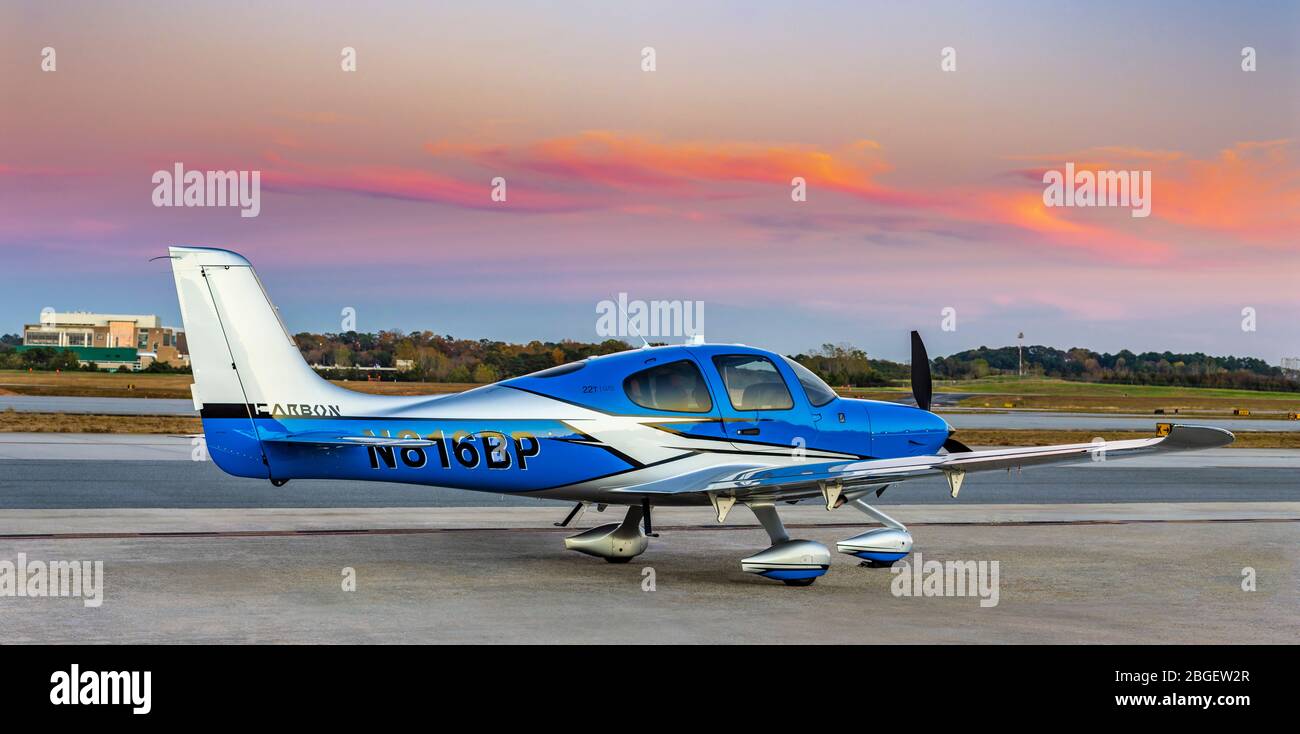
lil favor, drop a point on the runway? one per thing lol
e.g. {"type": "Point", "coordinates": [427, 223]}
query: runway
{"type": "Point", "coordinates": [1044, 420]}
{"type": "Point", "coordinates": [1153, 580]}
{"type": "Point", "coordinates": [98, 406]}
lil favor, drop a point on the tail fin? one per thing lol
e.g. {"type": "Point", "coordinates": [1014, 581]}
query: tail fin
{"type": "Point", "coordinates": [239, 348]}
{"type": "Point", "coordinates": [246, 365]}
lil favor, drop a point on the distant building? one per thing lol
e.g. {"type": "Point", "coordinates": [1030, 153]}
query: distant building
{"type": "Point", "coordinates": [109, 340]}
{"type": "Point", "coordinates": [1291, 364]}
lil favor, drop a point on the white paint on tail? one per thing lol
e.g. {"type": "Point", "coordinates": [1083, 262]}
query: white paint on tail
{"type": "Point", "coordinates": [240, 350]}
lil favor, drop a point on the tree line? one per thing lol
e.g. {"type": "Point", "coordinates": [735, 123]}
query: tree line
{"type": "Point", "coordinates": [1195, 369]}
{"type": "Point", "coordinates": [428, 357]}
{"type": "Point", "coordinates": [425, 356]}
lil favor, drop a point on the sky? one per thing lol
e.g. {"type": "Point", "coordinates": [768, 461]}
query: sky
{"type": "Point", "coordinates": [924, 186]}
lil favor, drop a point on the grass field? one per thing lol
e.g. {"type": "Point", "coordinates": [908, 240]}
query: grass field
{"type": "Point", "coordinates": [1047, 386]}
{"type": "Point", "coordinates": [14, 422]}
{"type": "Point", "coordinates": [1016, 437]}
{"type": "Point", "coordinates": [1084, 397]}
{"type": "Point", "coordinates": [992, 392]}
{"type": "Point", "coordinates": [94, 384]}
{"type": "Point", "coordinates": [144, 385]}
{"type": "Point", "coordinates": [1061, 395]}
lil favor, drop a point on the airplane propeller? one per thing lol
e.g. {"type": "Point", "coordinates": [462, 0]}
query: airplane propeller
{"type": "Point", "coordinates": [923, 388]}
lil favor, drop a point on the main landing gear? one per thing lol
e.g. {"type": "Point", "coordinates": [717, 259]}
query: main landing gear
{"type": "Point", "coordinates": [792, 562]}
{"type": "Point", "coordinates": [616, 542]}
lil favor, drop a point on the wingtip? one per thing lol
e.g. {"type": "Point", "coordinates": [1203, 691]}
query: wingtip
{"type": "Point", "coordinates": [1197, 437]}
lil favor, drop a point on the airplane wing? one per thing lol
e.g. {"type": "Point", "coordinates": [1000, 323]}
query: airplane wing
{"type": "Point", "coordinates": [806, 480]}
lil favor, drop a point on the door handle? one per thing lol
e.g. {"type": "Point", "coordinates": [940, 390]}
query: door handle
{"type": "Point", "coordinates": [748, 431]}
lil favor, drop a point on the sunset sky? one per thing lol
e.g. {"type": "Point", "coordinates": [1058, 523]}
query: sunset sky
{"type": "Point", "coordinates": [924, 186]}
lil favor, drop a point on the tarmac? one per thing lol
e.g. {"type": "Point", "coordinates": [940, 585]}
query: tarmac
{"type": "Point", "coordinates": [1156, 549]}
{"type": "Point", "coordinates": [1133, 573]}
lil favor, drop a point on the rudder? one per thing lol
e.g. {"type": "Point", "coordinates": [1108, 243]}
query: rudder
{"type": "Point", "coordinates": [245, 363]}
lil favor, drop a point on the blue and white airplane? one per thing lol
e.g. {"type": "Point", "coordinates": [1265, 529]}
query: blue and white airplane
{"type": "Point", "coordinates": [711, 425]}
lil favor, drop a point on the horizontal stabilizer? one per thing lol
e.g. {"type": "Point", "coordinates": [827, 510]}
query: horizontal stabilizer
{"type": "Point", "coordinates": [326, 438]}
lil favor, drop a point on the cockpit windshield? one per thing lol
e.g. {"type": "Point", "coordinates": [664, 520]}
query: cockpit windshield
{"type": "Point", "coordinates": [818, 392]}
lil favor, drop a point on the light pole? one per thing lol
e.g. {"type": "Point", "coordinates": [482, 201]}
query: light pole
{"type": "Point", "coordinates": [1020, 353]}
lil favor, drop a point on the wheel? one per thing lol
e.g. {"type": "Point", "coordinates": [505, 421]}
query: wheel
{"type": "Point", "coordinates": [799, 582]}
{"type": "Point", "coordinates": [619, 559]}
{"type": "Point", "coordinates": [878, 564]}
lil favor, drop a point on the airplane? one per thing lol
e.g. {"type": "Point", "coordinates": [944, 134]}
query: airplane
{"type": "Point", "coordinates": [698, 424]}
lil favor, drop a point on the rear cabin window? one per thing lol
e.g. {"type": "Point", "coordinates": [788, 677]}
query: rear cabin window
{"type": "Point", "coordinates": [676, 386]}
{"type": "Point", "coordinates": [753, 383]}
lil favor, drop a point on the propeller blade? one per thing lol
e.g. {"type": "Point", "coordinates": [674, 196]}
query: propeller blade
{"type": "Point", "coordinates": [921, 385]}
{"type": "Point", "coordinates": [953, 446]}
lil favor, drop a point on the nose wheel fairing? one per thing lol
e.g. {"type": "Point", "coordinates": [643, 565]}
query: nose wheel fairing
{"type": "Point", "coordinates": [790, 560]}
{"type": "Point", "coordinates": [880, 547]}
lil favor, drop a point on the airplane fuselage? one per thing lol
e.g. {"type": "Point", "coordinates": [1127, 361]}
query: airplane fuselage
{"type": "Point", "coordinates": [580, 430]}
{"type": "Point", "coordinates": [713, 424]}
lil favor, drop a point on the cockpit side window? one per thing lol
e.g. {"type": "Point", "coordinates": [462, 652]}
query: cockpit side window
{"type": "Point", "coordinates": [753, 382]}
{"type": "Point", "coordinates": [676, 386]}
{"type": "Point", "coordinates": [818, 392]}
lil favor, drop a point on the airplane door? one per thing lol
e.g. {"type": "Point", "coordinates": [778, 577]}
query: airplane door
{"type": "Point", "coordinates": [759, 411]}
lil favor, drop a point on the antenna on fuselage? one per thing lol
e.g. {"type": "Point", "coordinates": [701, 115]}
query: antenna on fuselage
{"type": "Point", "coordinates": [632, 327]}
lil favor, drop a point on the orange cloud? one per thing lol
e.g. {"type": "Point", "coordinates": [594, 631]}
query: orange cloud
{"type": "Point", "coordinates": [393, 182]}
{"type": "Point", "coordinates": [1104, 152]}
{"type": "Point", "coordinates": [1039, 224]}
{"type": "Point", "coordinates": [633, 162]}
{"type": "Point", "coordinates": [1251, 190]}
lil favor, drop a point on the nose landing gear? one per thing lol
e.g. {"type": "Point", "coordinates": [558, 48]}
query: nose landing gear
{"type": "Point", "coordinates": [879, 548]}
